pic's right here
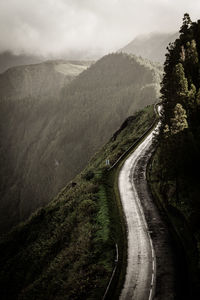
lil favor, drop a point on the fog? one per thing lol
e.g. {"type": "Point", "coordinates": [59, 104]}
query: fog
{"type": "Point", "coordinates": [90, 27]}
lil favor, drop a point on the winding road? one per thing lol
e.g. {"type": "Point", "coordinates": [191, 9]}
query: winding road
{"type": "Point", "coordinates": [140, 277]}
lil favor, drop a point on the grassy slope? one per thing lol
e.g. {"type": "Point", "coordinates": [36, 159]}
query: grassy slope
{"type": "Point", "coordinates": [67, 249]}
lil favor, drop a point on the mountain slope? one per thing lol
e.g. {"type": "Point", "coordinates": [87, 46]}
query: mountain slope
{"type": "Point", "coordinates": [66, 250]}
{"type": "Point", "coordinates": [46, 140]}
{"type": "Point", "coordinates": [152, 46]}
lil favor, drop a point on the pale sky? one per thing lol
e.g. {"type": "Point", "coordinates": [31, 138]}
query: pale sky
{"type": "Point", "coordinates": [56, 27]}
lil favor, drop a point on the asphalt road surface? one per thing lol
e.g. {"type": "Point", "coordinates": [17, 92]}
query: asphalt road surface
{"type": "Point", "coordinates": [141, 266]}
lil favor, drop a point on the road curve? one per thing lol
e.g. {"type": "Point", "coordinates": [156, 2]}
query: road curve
{"type": "Point", "coordinates": [141, 265]}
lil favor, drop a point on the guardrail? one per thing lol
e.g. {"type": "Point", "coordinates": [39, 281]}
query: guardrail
{"type": "Point", "coordinates": [113, 272]}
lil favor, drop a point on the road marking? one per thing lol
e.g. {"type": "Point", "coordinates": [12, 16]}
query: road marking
{"type": "Point", "coordinates": [153, 266]}
{"type": "Point", "coordinates": [150, 295]}
{"type": "Point", "coordinates": [153, 271]}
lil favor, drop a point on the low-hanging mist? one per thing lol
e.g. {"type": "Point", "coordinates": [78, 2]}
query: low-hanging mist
{"type": "Point", "coordinates": [88, 28]}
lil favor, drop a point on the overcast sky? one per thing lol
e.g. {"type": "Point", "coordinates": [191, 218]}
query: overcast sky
{"type": "Point", "coordinates": [64, 26]}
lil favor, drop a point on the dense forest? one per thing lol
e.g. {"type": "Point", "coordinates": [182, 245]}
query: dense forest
{"type": "Point", "coordinates": [175, 166]}
{"type": "Point", "coordinates": [52, 123]}
{"type": "Point", "coordinates": [66, 250]}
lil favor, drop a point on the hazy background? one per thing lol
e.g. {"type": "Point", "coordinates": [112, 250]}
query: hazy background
{"type": "Point", "coordinates": [91, 27]}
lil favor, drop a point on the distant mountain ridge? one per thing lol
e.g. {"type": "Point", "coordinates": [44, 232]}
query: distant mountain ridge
{"type": "Point", "coordinates": [36, 80]}
{"type": "Point", "coordinates": [151, 46]}
{"type": "Point", "coordinates": [8, 60]}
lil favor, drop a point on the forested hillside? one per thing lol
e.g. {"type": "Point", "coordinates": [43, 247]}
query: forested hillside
{"type": "Point", "coordinates": [175, 167]}
{"type": "Point", "coordinates": [48, 134]}
{"type": "Point", "coordinates": [66, 250]}
{"type": "Point", "coordinates": [152, 46]}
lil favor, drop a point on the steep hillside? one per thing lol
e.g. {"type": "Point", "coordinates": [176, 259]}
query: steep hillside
{"type": "Point", "coordinates": [152, 46]}
{"type": "Point", "coordinates": [66, 250]}
{"type": "Point", "coordinates": [174, 171]}
{"type": "Point", "coordinates": [46, 141]}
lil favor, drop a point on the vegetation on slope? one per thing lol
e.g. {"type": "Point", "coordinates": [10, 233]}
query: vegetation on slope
{"type": "Point", "coordinates": [174, 173]}
{"type": "Point", "coordinates": [46, 140]}
{"type": "Point", "coordinates": [66, 250]}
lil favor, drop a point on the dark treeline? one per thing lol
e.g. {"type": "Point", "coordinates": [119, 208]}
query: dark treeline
{"type": "Point", "coordinates": [177, 160]}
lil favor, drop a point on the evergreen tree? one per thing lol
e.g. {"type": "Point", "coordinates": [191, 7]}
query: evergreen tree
{"type": "Point", "coordinates": [198, 99]}
{"type": "Point", "coordinates": [179, 121]}
{"type": "Point", "coordinates": [181, 83]}
{"type": "Point", "coordinates": [186, 24]}
{"type": "Point", "coordinates": [191, 53]}
{"type": "Point", "coordinates": [191, 98]}
{"type": "Point", "coordinates": [191, 62]}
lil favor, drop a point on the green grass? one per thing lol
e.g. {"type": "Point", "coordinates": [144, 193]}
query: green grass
{"type": "Point", "coordinates": [103, 215]}
{"type": "Point", "coordinates": [118, 230]}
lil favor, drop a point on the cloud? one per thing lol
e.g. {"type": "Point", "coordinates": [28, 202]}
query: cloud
{"type": "Point", "coordinates": [55, 27]}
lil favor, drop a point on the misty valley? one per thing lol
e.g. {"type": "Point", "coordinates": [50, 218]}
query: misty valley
{"type": "Point", "coordinates": [78, 135]}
